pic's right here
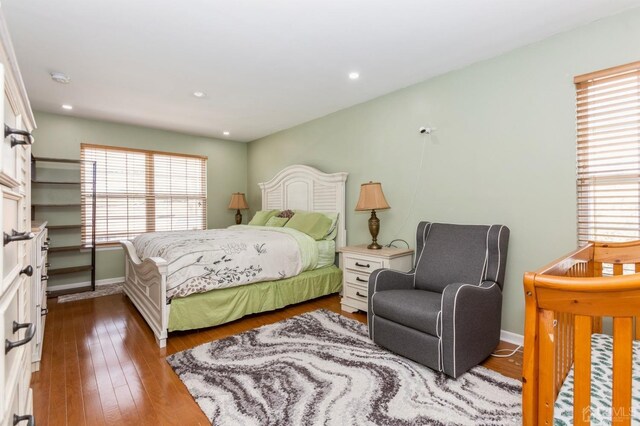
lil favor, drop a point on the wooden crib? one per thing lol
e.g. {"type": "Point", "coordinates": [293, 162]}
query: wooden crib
{"type": "Point", "coordinates": [565, 303]}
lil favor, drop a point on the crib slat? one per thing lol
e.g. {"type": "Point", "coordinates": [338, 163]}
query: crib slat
{"type": "Point", "coordinates": [582, 370]}
{"type": "Point", "coordinates": [546, 385]}
{"type": "Point", "coordinates": [622, 353]}
{"type": "Point", "coordinates": [617, 269]}
{"type": "Point", "coordinates": [597, 269]}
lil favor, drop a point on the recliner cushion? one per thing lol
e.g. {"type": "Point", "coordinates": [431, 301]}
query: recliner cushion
{"type": "Point", "coordinates": [451, 254]}
{"type": "Point", "coordinates": [417, 309]}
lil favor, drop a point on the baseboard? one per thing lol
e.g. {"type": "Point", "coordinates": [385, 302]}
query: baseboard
{"type": "Point", "coordinates": [99, 283]}
{"type": "Point", "coordinates": [507, 336]}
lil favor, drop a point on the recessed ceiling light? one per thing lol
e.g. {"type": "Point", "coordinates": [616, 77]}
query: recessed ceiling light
{"type": "Point", "coordinates": [354, 75]}
{"type": "Point", "coordinates": [226, 133]}
{"type": "Point", "coordinates": [199, 94]}
{"type": "Point", "coordinates": [60, 77]}
{"type": "Point", "coordinates": [67, 107]}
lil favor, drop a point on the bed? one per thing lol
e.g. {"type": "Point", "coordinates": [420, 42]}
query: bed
{"type": "Point", "coordinates": [296, 187]}
{"type": "Point", "coordinates": [573, 373]}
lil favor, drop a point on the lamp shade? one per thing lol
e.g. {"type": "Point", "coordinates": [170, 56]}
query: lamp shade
{"type": "Point", "coordinates": [238, 202]}
{"type": "Point", "coordinates": [372, 197]}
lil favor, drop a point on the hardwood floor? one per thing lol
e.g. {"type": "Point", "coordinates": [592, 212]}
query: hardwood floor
{"type": "Point", "coordinates": [101, 364]}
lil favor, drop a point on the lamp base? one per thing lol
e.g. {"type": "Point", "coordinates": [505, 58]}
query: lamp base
{"type": "Point", "coordinates": [238, 217]}
{"type": "Point", "coordinates": [374, 228]}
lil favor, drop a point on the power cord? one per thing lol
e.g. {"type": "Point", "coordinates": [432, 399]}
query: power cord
{"type": "Point", "coordinates": [397, 239]}
{"type": "Point", "coordinates": [496, 354]}
{"type": "Point", "coordinates": [415, 191]}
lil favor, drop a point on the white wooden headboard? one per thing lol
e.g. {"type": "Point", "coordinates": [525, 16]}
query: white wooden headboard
{"type": "Point", "coordinates": [301, 187]}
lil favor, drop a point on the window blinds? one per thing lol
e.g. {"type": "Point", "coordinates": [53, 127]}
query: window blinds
{"type": "Point", "coordinates": [608, 174]}
{"type": "Point", "coordinates": [141, 191]}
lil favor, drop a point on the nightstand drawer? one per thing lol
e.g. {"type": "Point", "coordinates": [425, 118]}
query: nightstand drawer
{"type": "Point", "coordinates": [356, 292]}
{"type": "Point", "coordinates": [357, 278]}
{"type": "Point", "coordinates": [362, 264]}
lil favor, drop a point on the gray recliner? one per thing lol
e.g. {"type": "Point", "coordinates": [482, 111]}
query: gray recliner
{"type": "Point", "coordinates": [446, 312]}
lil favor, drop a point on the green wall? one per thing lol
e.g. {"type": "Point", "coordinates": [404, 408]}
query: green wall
{"type": "Point", "coordinates": [61, 136]}
{"type": "Point", "coordinates": [503, 152]}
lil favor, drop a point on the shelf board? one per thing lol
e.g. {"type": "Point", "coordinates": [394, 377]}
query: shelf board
{"type": "Point", "coordinates": [69, 270]}
{"type": "Point", "coordinates": [53, 293]}
{"type": "Point", "coordinates": [67, 248]}
{"type": "Point", "coordinates": [57, 160]}
{"type": "Point", "coordinates": [56, 205]}
{"type": "Point", "coordinates": [55, 182]}
{"type": "Point", "coordinates": [58, 227]}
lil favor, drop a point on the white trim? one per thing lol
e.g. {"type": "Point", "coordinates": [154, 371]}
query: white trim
{"type": "Point", "coordinates": [424, 244]}
{"type": "Point", "coordinates": [498, 269]}
{"type": "Point", "coordinates": [485, 266]}
{"type": "Point", "coordinates": [99, 283]}
{"type": "Point", "coordinates": [510, 337]}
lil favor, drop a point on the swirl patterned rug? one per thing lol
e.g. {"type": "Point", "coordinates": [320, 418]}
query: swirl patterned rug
{"type": "Point", "coordinates": [320, 368]}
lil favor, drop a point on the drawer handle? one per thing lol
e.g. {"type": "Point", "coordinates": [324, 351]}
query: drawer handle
{"type": "Point", "coordinates": [362, 265]}
{"type": "Point", "coordinates": [361, 280]}
{"type": "Point", "coordinates": [17, 236]}
{"type": "Point", "coordinates": [45, 248]}
{"type": "Point", "coordinates": [44, 277]}
{"type": "Point", "coordinates": [31, 331]}
{"type": "Point", "coordinates": [10, 131]}
{"type": "Point", "coordinates": [31, 421]}
{"type": "Point", "coordinates": [361, 295]}
{"type": "Point", "coordinates": [28, 271]}
{"type": "Point", "coordinates": [44, 312]}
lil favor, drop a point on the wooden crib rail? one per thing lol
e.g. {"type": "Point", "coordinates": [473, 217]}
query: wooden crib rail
{"type": "Point", "coordinates": [564, 303]}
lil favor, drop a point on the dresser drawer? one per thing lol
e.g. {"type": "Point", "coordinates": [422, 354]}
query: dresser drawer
{"type": "Point", "coordinates": [362, 264]}
{"type": "Point", "coordinates": [9, 223]}
{"type": "Point", "coordinates": [24, 382]}
{"type": "Point", "coordinates": [11, 311]}
{"type": "Point", "coordinates": [356, 278]}
{"type": "Point", "coordinates": [357, 292]}
{"type": "Point", "coordinates": [19, 405]}
{"type": "Point", "coordinates": [10, 394]}
{"type": "Point", "coordinates": [356, 295]}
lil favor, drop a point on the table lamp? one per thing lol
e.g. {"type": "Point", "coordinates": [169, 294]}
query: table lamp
{"type": "Point", "coordinates": [238, 202]}
{"type": "Point", "coordinates": [372, 198]}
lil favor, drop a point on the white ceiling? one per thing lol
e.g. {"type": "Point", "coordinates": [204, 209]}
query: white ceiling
{"type": "Point", "coordinates": [265, 65]}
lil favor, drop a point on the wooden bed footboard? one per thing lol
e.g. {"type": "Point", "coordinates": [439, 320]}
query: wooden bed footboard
{"type": "Point", "coordinates": [565, 302]}
{"type": "Point", "coordinates": [145, 283]}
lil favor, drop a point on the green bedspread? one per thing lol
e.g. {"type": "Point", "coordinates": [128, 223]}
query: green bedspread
{"type": "Point", "coordinates": [216, 307]}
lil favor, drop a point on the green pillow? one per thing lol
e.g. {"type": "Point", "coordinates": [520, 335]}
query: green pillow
{"type": "Point", "coordinates": [277, 222]}
{"type": "Point", "coordinates": [315, 225]}
{"type": "Point", "coordinates": [262, 216]}
{"type": "Point", "coordinates": [333, 229]}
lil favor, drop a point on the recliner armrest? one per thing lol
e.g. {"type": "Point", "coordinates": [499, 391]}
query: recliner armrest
{"type": "Point", "coordinates": [390, 279]}
{"type": "Point", "coordinates": [386, 279]}
{"type": "Point", "coordinates": [470, 327]}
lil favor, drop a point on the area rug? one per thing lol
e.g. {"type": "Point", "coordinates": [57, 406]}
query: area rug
{"type": "Point", "coordinates": [320, 368]}
{"type": "Point", "coordinates": [103, 290]}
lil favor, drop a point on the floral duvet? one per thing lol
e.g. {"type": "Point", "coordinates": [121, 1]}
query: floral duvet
{"type": "Point", "coordinates": [199, 261]}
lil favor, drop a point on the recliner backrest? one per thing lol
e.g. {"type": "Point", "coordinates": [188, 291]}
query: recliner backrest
{"type": "Point", "coordinates": [448, 253]}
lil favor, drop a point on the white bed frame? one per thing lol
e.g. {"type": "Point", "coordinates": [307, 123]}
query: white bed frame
{"type": "Point", "coordinates": [296, 187]}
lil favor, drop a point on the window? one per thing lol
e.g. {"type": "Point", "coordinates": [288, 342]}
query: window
{"type": "Point", "coordinates": [141, 191]}
{"type": "Point", "coordinates": [608, 175]}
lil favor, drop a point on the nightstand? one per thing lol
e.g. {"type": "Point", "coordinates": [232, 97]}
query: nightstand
{"type": "Point", "coordinates": [357, 263]}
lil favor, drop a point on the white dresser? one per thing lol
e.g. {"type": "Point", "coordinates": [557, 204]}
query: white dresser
{"type": "Point", "coordinates": [358, 262]}
{"type": "Point", "coordinates": [17, 327]}
{"type": "Point", "coordinates": [39, 250]}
